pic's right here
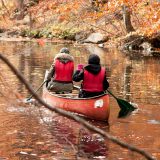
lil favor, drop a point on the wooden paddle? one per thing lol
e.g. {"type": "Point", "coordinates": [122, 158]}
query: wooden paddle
{"type": "Point", "coordinates": [36, 90]}
{"type": "Point", "coordinates": [126, 107]}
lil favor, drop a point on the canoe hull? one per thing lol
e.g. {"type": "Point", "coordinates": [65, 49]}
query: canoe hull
{"type": "Point", "coordinates": [94, 108]}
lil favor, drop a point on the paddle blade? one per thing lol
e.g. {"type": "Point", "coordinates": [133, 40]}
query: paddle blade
{"type": "Point", "coordinates": [126, 108]}
{"type": "Point", "coordinates": [124, 113]}
{"type": "Point", "coordinates": [29, 100]}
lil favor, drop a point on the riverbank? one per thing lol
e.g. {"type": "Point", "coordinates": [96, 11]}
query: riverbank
{"type": "Point", "coordinates": [74, 23]}
{"type": "Point", "coordinates": [40, 41]}
{"type": "Point", "coordinates": [130, 43]}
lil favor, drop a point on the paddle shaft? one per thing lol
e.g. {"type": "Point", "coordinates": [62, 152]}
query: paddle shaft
{"type": "Point", "coordinates": [112, 94]}
{"type": "Point", "coordinates": [36, 90]}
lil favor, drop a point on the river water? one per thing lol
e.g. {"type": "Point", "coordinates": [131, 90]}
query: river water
{"type": "Point", "coordinates": [34, 133]}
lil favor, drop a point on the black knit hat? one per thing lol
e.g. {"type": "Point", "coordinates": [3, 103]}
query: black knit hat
{"type": "Point", "coordinates": [94, 59]}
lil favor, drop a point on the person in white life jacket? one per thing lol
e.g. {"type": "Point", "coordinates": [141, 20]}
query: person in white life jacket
{"type": "Point", "coordinates": [61, 72]}
{"type": "Point", "coordinates": [93, 76]}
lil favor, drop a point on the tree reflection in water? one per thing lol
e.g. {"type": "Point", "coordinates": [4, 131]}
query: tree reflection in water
{"type": "Point", "coordinates": [84, 143]}
{"type": "Point", "coordinates": [92, 145]}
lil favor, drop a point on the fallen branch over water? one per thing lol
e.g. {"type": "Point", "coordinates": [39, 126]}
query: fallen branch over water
{"type": "Point", "coordinates": [72, 116]}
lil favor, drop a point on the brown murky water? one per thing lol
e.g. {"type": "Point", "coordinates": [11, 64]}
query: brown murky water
{"type": "Point", "coordinates": [29, 133]}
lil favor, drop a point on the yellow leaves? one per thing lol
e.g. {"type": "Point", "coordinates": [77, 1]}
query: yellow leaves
{"type": "Point", "coordinates": [149, 32]}
{"type": "Point", "coordinates": [57, 11]}
{"type": "Point", "coordinates": [100, 14]}
{"type": "Point", "coordinates": [157, 25]}
{"type": "Point", "coordinates": [67, 9]}
{"type": "Point", "coordinates": [111, 6]}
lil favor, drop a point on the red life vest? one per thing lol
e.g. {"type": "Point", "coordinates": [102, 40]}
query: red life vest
{"type": "Point", "coordinates": [93, 83]}
{"type": "Point", "coordinates": [63, 71]}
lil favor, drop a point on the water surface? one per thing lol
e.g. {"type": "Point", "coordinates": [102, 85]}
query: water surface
{"type": "Point", "coordinates": [37, 134]}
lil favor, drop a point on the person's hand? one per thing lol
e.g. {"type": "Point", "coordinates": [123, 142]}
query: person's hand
{"type": "Point", "coordinates": [80, 67]}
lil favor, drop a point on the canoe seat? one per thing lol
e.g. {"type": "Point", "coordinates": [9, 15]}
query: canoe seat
{"type": "Point", "coordinates": [65, 94]}
{"type": "Point", "coordinates": [69, 95]}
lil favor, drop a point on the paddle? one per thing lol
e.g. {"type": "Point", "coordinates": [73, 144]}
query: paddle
{"type": "Point", "coordinates": [126, 107]}
{"type": "Point", "coordinates": [36, 90]}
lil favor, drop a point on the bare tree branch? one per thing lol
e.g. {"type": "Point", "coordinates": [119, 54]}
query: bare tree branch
{"type": "Point", "coordinates": [3, 4]}
{"type": "Point", "coordinates": [74, 117]}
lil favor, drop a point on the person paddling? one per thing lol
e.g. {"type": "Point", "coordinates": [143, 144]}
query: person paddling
{"type": "Point", "coordinates": [93, 76]}
{"type": "Point", "coordinates": [61, 72]}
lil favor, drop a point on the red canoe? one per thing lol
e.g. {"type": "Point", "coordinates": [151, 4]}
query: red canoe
{"type": "Point", "coordinates": [94, 108]}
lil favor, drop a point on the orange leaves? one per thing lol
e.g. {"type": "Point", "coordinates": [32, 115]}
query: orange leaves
{"type": "Point", "coordinates": [150, 28]}
{"type": "Point", "coordinates": [67, 9]}
{"type": "Point", "coordinates": [155, 4]}
{"type": "Point", "coordinates": [52, 5]}
{"type": "Point", "coordinates": [126, 1]}
{"type": "Point", "coordinates": [61, 18]}
{"type": "Point", "coordinates": [145, 14]}
{"type": "Point", "coordinates": [99, 15]}
{"type": "Point", "coordinates": [41, 42]}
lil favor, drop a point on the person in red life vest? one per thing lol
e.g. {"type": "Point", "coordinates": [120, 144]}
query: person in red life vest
{"type": "Point", "coordinates": [61, 72]}
{"type": "Point", "coordinates": [93, 76]}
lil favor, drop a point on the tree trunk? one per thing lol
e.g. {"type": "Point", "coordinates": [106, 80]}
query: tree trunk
{"type": "Point", "coordinates": [127, 19]}
{"type": "Point", "coordinates": [21, 9]}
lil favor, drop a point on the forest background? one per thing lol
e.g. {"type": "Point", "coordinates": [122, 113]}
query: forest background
{"type": "Point", "coordinates": [130, 25]}
{"type": "Point", "coordinates": [125, 23]}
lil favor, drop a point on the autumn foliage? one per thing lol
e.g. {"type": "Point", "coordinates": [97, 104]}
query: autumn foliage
{"type": "Point", "coordinates": [145, 14]}
{"type": "Point", "coordinates": [107, 17]}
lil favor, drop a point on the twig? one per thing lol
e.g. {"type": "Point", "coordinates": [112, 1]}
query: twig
{"type": "Point", "coordinates": [3, 4]}
{"type": "Point", "coordinates": [73, 116]}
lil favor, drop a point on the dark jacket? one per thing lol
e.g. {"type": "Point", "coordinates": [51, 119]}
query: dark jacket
{"type": "Point", "coordinates": [93, 67]}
